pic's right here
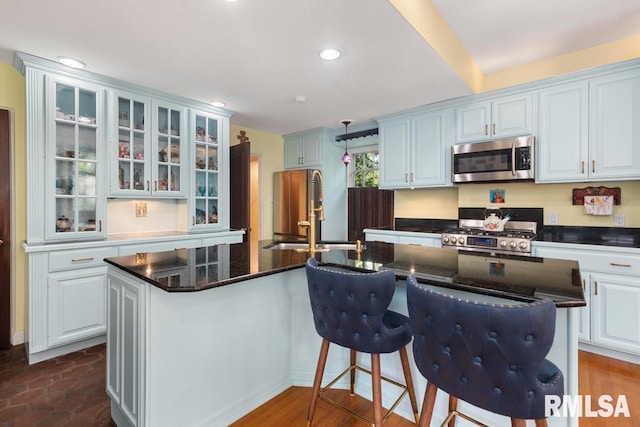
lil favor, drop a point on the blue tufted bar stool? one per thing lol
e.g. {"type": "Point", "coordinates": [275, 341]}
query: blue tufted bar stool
{"type": "Point", "coordinates": [350, 310]}
{"type": "Point", "coordinates": [489, 355]}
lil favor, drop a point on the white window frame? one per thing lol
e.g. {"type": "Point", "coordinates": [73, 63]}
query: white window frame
{"type": "Point", "coordinates": [351, 173]}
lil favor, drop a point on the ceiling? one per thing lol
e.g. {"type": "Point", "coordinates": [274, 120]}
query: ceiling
{"type": "Point", "coordinates": [258, 55]}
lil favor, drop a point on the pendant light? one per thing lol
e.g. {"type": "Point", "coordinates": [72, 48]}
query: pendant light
{"type": "Point", "coordinates": [346, 157]}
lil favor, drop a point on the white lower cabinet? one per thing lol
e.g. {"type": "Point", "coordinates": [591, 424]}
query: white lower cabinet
{"type": "Point", "coordinates": [610, 323]}
{"type": "Point", "coordinates": [77, 305]}
{"type": "Point", "coordinates": [616, 312]}
{"type": "Point", "coordinates": [125, 373]}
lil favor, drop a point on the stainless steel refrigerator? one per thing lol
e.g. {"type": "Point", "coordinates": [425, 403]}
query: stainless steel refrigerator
{"type": "Point", "coordinates": [291, 197]}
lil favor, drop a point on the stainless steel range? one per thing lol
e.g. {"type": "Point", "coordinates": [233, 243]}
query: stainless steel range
{"type": "Point", "coordinates": [515, 238]}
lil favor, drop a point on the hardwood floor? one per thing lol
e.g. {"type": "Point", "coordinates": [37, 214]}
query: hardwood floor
{"type": "Point", "coordinates": [602, 375]}
{"type": "Point", "coordinates": [598, 376]}
{"type": "Point", "coordinates": [70, 391]}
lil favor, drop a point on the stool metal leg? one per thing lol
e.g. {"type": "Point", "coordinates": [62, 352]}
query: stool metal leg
{"type": "Point", "coordinates": [353, 373]}
{"type": "Point", "coordinates": [427, 405]}
{"type": "Point", "coordinates": [409, 382]}
{"type": "Point", "coordinates": [376, 383]}
{"type": "Point", "coordinates": [322, 360]}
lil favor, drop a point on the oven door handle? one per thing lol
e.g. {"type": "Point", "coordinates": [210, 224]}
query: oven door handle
{"type": "Point", "coordinates": [513, 159]}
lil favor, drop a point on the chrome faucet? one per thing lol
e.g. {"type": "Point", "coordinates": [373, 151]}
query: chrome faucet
{"type": "Point", "coordinates": [311, 223]}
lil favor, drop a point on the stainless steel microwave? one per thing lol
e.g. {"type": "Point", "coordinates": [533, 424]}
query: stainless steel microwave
{"type": "Point", "coordinates": [500, 160]}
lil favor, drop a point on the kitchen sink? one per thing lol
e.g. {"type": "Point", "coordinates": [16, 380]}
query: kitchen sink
{"type": "Point", "coordinates": [344, 246]}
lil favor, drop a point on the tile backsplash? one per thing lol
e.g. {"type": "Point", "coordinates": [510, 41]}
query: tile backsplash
{"type": "Point", "coordinates": [162, 215]}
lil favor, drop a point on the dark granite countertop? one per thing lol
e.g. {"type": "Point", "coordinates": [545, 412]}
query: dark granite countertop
{"type": "Point", "coordinates": [625, 237]}
{"type": "Point", "coordinates": [608, 236]}
{"type": "Point", "coordinates": [508, 276]}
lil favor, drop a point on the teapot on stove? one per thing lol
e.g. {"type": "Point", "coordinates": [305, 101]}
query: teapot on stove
{"type": "Point", "coordinates": [493, 220]}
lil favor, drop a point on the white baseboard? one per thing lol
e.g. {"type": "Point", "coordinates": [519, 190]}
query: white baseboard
{"type": "Point", "coordinates": [17, 338]}
{"type": "Point", "coordinates": [614, 354]}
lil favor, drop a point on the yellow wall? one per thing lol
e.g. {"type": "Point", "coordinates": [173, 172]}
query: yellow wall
{"type": "Point", "coordinates": [12, 97]}
{"type": "Point", "coordinates": [443, 203]}
{"type": "Point", "coordinates": [270, 148]}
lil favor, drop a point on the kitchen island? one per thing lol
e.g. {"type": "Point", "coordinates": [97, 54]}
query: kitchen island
{"type": "Point", "coordinates": [203, 336]}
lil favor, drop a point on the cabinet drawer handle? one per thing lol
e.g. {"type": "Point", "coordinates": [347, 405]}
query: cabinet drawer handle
{"type": "Point", "coordinates": [1, 242]}
{"type": "Point", "coordinates": [100, 225]}
{"type": "Point", "coordinates": [486, 129]}
{"type": "Point", "coordinates": [593, 166]}
{"type": "Point", "coordinates": [406, 177]}
{"type": "Point", "coordinates": [155, 185]}
{"type": "Point", "coordinates": [494, 128]}
{"type": "Point", "coordinates": [411, 177]}
{"type": "Point", "coordinates": [147, 185]}
{"type": "Point", "coordinates": [615, 264]}
{"type": "Point", "coordinates": [193, 220]}
{"type": "Point", "coordinates": [582, 166]}
{"type": "Point", "coordinates": [82, 259]}
{"type": "Point", "coordinates": [596, 289]}
{"type": "Point", "coordinates": [584, 285]}
{"type": "Point", "coordinates": [177, 249]}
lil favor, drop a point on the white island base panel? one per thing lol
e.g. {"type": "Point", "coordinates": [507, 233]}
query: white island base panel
{"type": "Point", "coordinates": [208, 358]}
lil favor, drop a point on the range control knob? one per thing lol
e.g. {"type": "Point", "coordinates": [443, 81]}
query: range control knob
{"type": "Point", "coordinates": [453, 240]}
{"type": "Point", "coordinates": [445, 239]}
{"type": "Point", "coordinates": [503, 243]}
{"type": "Point", "coordinates": [513, 245]}
{"type": "Point", "coordinates": [461, 240]}
{"type": "Point", "coordinates": [522, 245]}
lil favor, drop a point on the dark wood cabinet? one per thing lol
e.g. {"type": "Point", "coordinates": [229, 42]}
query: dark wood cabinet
{"type": "Point", "coordinates": [368, 208]}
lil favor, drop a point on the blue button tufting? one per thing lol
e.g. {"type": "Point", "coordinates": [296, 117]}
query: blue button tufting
{"type": "Point", "coordinates": [497, 390]}
{"type": "Point", "coordinates": [528, 338]}
{"type": "Point", "coordinates": [477, 359]}
{"type": "Point", "coordinates": [350, 294]}
{"type": "Point", "coordinates": [512, 367]}
{"type": "Point", "coordinates": [464, 379]}
{"type": "Point", "coordinates": [356, 335]}
{"type": "Point", "coordinates": [530, 394]}
{"type": "Point", "coordinates": [458, 327]}
{"type": "Point", "coordinates": [436, 366]}
{"type": "Point", "coordinates": [331, 293]}
{"type": "Point", "coordinates": [493, 334]}
{"type": "Point", "coordinates": [372, 295]}
{"type": "Point", "coordinates": [377, 335]}
{"type": "Point", "coordinates": [446, 349]}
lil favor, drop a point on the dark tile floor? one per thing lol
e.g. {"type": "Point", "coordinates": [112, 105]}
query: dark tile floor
{"type": "Point", "coordinates": [65, 391]}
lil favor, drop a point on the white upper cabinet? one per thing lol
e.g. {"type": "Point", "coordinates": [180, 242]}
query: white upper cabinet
{"type": "Point", "coordinates": [501, 117]}
{"type": "Point", "coordinates": [412, 151]}
{"type": "Point", "coordinates": [303, 151]}
{"type": "Point", "coordinates": [131, 154]}
{"type": "Point", "coordinates": [615, 126]}
{"type": "Point", "coordinates": [208, 151]}
{"type": "Point", "coordinates": [563, 137]}
{"type": "Point", "coordinates": [75, 166]}
{"type": "Point", "coordinates": [589, 131]}
{"type": "Point", "coordinates": [149, 147]}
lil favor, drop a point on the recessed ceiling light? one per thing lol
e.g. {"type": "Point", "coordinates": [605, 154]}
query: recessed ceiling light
{"type": "Point", "coordinates": [218, 104]}
{"type": "Point", "coordinates": [330, 54]}
{"type": "Point", "coordinates": [70, 62]}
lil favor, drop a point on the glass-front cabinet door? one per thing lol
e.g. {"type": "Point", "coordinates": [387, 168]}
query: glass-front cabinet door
{"type": "Point", "coordinates": [206, 175]}
{"type": "Point", "coordinates": [132, 174]}
{"type": "Point", "coordinates": [75, 141]}
{"type": "Point", "coordinates": [168, 152]}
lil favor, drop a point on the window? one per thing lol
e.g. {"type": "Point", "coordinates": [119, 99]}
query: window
{"type": "Point", "coordinates": [363, 170]}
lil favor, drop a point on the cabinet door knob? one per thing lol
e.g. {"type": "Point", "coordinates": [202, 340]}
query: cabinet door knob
{"type": "Point", "coordinates": [1, 242]}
